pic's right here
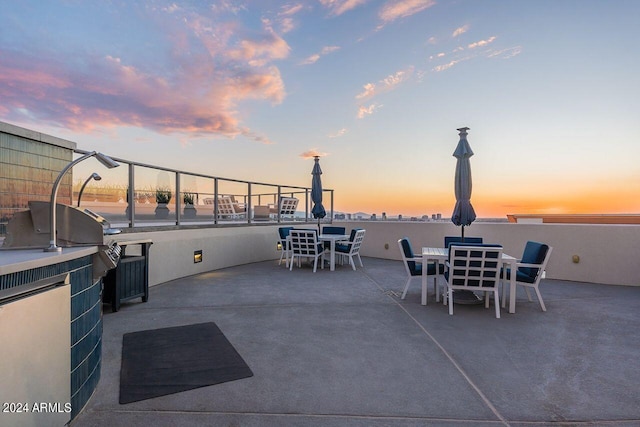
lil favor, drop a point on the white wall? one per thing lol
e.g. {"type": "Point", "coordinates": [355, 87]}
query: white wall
{"type": "Point", "coordinates": [608, 253]}
{"type": "Point", "coordinates": [171, 254]}
{"type": "Point", "coordinates": [34, 358]}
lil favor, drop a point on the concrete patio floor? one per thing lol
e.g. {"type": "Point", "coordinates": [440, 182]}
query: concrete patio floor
{"type": "Point", "coordinates": [341, 349]}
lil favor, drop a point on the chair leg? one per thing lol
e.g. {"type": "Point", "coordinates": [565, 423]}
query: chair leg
{"type": "Point", "coordinates": [291, 264]}
{"type": "Point", "coordinates": [540, 299]}
{"type": "Point", "coordinates": [450, 299]}
{"type": "Point", "coordinates": [406, 288]}
{"type": "Point", "coordinates": [353, 264]}
{"type": "Point", "coordinates": [526, 289]}
{"type": "Point", "coordinates": [360, 259]}
{"type": "Point", "coordinates": [496, 300]}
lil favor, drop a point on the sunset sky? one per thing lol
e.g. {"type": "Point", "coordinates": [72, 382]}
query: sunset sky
{"type": "Point", "coordinates": [252, 89]}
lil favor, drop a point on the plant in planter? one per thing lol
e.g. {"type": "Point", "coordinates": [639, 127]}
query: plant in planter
{"type": "Point", "coordinates": [163, 196]}
{"type": "Point", "coordinates": [188, 198]}
{"type": "Point", "coordinates": [189, 210]}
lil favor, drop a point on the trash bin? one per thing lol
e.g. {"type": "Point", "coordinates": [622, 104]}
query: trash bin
{"type": "Point", "coordinates": [130, 278]}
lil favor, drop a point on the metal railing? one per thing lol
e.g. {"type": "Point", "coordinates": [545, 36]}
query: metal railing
{"type": "Point", "coordinates": [138, 195]}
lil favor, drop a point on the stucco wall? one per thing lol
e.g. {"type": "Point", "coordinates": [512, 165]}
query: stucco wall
{"type": "Point", "coordinates": [608, 253]}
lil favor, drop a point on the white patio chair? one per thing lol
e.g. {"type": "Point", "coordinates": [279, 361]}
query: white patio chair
{"type": "Point", "coordinates": [228, 207]}
{"type": "Point", "coordinates": [474, 268]}
{"type": "Point", "coordinates": [305, 244]}
{"type": "Point", "coordinates": [287, 207]}
{"type": "Point", "coordinates": [285, 244]}
{"type": "Point", "coordinates": [413, 266]}
{"type": "Point", "coordinates": [530, 268]}
{"type": "Point", "coordinates": [351, 248]}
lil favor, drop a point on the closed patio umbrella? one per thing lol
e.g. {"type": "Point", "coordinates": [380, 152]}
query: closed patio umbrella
{"type": "Point", "coordinates": [463, 213]}
{"type": "Point", "coordinates": [318, 210]}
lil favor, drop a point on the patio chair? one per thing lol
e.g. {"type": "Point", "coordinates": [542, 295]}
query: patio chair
{"type": "Point", "coordinates": [530, 268]}
{"type": "Point", "coordinates": [285, 245]}
{"type": "Point", "coordinates": [305, 244]}
{"type": "Point", "coordinates": [228, 207]}
{"type": "Point", "coordinates": [413, 265]}
{"type": "Point", "coordinates": [351, 248]}
{"type": "Point", "coordinates": [330, 229]}
{"type": "Point", "coordinates": [474, 268]}
{"type": "Point", "coordinates": [287, 207]}
{"type": "Point", "coordinates": [458, 239]}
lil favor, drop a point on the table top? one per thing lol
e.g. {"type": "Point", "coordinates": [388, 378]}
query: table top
{"type": "Point", "coordinates": [436, 252]}
{"type": "Point", "coordinates": [333, 237]}
{"type": "Point", "coordinates": [443, 253]}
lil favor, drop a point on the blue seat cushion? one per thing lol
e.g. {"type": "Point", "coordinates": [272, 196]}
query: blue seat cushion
{"type": "Point", "coordinates": [342, 247]}
{"type": "Point", "coordinates": [534, 253]}
{"type": "Point", "coordinates": [416, 268]}
{"type": "Point", "coordinates": [520, 276]}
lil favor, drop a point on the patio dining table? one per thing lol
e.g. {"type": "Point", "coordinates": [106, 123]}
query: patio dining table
{"type": "Point", "coordinates": [332, 239]}
{"type": "Point", "coordinates": [440, 255]}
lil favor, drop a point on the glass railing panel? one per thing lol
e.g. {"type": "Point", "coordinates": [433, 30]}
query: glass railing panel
{"type": "Point", "coordinates": [104, 193]}
{"type": "Point", "coordinates": [154, 196]}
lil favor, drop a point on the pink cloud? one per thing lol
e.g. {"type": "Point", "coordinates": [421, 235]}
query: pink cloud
{"type": "Point", "coordinates": [338, 7]}
{"type": "Point", "coordinates": [214, 68]}
{"type": "Point", "coordinates": [395, 9]}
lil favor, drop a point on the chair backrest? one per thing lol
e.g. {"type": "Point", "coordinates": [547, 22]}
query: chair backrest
{"type": "Point", "coordinates": [476, 266]}
{"type": "Point", "coordinates": [225, 205]}
{"type": "Point", "coordinates": [534, 253]}
{"type": "Point", "coordinates": [356, 241]}
{"type": "Point", "coordinates": [407, 254]}
{"type": "Point", "coordinates": [458, 239]}
{"type": "Point", "coordinates": [352, 236]}
{"type": "Point", "coordinates": [284, 232]}
{"type": "Point", "coordinates": [329, 229]}
{"type": "Point", "coordinates": [305, 242]}
{"type": "Point", "coordinates": [288, 205]}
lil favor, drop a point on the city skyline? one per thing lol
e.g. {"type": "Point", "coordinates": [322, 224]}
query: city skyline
{"type": "Point", "coordinates": [252, 90]}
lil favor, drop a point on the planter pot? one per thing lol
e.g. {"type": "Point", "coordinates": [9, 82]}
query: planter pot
{"type": "Point", "coordinates": [190, 211]}
{"type": "Point", "coordinates": [162, 211]}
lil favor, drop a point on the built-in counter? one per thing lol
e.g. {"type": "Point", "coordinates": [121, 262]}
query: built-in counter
{"type": "Point", "coordinates": [51, 333]}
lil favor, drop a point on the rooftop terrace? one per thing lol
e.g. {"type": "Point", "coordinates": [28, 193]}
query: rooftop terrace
{"type": "Point", "coordinates": [340, 348]}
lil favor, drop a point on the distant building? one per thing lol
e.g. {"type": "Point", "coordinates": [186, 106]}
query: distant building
{"type": "Point", "coordinates": [574, 218]}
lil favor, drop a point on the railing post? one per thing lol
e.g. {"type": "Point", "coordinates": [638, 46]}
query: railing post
{"type": "Point", "coordinates": [215, 200]}
{"type": "Point", "coordinates": [131, 199]}
{"type": "Point", "coordinates": [177, 198]}
{"type": "Point", "coordinates": [248, 204]}
{"type": "Point", "coordinates": [278, 202]}
{"type": "Point", "coordinates": [331, 219]}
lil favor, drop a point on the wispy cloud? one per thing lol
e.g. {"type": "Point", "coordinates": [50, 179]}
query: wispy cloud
{"type": "Point", "coordinates": [395, 9]}
{"type": "Point", "coordinates": [482, 43]}
{"type": "Point", "coordinates": [364, 111]}
{"type": "Point", "coordinates": [388, 83]}
{"type": "Point", "coordinates": [213, 68]}
{"type": "Point", "coordinates": [316, 56]}
{"type": "Point", "coordinates": [314, 152]}
{"type": "Point", "coordinates": [442, 67]}
{"type": "Point", "coordinates": [338, 7]}
{"type": "Point", "coordinates": [506, 53]}
{"type": "Point", "coordinates": [460, 31]}
{"type": "Point", "coordinates": [338, 134]}
{"type": "Point", "coordinates": [285, 17]}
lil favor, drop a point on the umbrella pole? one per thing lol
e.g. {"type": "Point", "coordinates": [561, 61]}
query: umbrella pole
{"type": "Point", "coordinates": [463, 233]}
